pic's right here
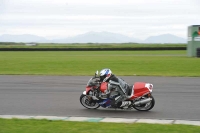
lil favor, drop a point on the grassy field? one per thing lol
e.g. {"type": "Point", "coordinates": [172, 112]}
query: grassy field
{"type": "Point", "coordinates": [47, 126]}
{"type": "Point", "coordinates": [87, 45]}
{"type": "Point", "coordinates": [150, 63]}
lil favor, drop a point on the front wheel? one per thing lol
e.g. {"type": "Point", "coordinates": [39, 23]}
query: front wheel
{"type": "Point", "coordinates": [147, 106]}
{"type": "Point", "coordinates": [87, 104]}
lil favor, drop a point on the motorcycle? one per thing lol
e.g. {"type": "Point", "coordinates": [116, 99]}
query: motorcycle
{"type": "Point", "coordinates": [140, 95]}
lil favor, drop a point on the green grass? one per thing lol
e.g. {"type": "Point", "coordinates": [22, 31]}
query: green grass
{"type": "Point", "coordinates": [47, 126]}
{"type": "Point", "coordinates": [150, 63]}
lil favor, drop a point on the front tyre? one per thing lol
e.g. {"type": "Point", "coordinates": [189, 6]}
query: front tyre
{"type": "Point", "coordinates": [146, 107]}
{"type": "Point", "coordinates": [84, 100]}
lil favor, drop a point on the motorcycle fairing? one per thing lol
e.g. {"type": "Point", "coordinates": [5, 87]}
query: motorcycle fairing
{"type": "Point", "coordinates": [103, 86]}
{"type": "Point", "coordinates": [141, 88]}
{"type": "Point", "coordinates": [88, 88]}
{"type": "Point", "coordinates": [105, 102]}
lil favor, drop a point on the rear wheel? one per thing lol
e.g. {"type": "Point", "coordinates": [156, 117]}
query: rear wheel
{"type": "Point", "coordinates": [85, 101]}
{"type": "Point", "coordinates": [147, 106]}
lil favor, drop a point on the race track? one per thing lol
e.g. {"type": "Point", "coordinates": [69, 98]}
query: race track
{"type": "Point", "coordinates": [176, 97]}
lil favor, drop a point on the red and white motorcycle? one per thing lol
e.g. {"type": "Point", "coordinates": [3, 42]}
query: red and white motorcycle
{"type": "Point", "coordinates": [140, 95]}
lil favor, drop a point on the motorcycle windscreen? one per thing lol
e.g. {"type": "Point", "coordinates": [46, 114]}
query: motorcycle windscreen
{"type": "Point", "coordinates": [103, 86]}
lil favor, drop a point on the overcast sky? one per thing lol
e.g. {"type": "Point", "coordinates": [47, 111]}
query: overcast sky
{"type": "Point", "coordinates": [64, 18]}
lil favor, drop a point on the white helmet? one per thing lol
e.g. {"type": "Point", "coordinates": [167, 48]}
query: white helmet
{"type": "Point", "coordinates": [105, 74]}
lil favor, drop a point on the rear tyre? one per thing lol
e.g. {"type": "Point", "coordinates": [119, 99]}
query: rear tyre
{"type": "Point", "coordinates": [84, 100]}
{"type": "Point", "coordinates": [146, 107]}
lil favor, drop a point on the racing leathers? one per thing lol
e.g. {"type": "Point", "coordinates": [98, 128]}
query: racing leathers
{"type": "Point", "coordinates": [116, 84]}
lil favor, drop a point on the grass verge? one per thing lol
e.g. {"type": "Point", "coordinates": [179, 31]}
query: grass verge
{"type": "Point", "coordinates": [142, 63]}
{"type": "Point", "coordinates": [47, 126]}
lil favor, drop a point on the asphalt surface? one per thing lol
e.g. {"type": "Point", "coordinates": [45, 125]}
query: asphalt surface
{"type": "Point", "coordinates": [176, 97]}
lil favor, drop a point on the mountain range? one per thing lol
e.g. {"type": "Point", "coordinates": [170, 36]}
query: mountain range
{"type": "Point", "coordinates": [93, 37]}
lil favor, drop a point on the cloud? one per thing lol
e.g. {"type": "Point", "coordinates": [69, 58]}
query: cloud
{"type": "Point", "coordinates": [66, 18]}
{"type": "Point", "coordinates": [2, 6]}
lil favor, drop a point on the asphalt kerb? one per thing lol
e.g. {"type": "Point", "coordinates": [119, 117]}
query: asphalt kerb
{"type": "Point", "coordinates": [98, 119]}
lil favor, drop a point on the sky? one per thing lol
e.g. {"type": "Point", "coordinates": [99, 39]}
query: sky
{"type": "Point", "coordinates": [66, 18]}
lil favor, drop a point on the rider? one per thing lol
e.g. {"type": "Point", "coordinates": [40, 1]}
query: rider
{"type": "Point", "coordinates": [117, 84]}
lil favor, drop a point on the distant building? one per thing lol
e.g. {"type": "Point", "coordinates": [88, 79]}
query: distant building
{"type": "Point", "coordinates": [31, 44]}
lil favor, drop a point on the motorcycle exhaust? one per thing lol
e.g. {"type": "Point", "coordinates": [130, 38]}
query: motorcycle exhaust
{"type": "Point", "coordinates": [143, 101]}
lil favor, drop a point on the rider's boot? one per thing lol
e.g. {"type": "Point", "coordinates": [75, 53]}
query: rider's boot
{"type": "Point", "coordinates": [125, 104]}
